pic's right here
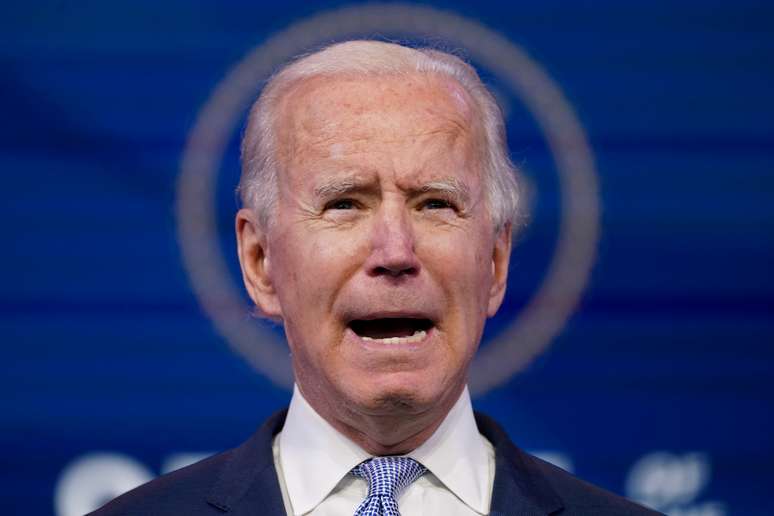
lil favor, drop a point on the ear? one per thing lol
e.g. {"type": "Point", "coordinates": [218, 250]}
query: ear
{"type": "Point", "coordinates": [256, 264]}
{"type": "Point", "coordinates": [501, 256]}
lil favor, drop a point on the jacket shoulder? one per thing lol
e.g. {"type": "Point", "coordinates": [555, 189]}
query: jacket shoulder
{"type": "Point", "coordinates": [241, 477]}
{"type": "Point", "coordinates": [582, 498]}
{"type": "Point", "coordinates": [180, 492]}
{"type": "Point", "coordinates": [525, 484]}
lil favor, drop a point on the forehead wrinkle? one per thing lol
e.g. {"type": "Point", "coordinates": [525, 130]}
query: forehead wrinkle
{"type": "Point", "coordinates": [439, 97]}
{"type": "Point", "coordinates": [309, 137]}
{"type": "Point", "coordinates": [327, 136]}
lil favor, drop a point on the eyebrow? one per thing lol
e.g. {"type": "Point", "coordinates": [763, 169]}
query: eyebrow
{"type": "Point", "coordinates": [336, 187]}
{"type": "Point", "coordinates": [450, 187]}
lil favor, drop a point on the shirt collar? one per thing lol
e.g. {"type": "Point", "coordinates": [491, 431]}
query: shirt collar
{"type": "Point", "coordinates": [458, 456]}
{"type": "Point", "coordinates": [315, 457]}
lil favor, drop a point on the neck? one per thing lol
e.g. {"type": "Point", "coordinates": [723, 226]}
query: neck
{"type": "Point", "coordinates": [394, 432]}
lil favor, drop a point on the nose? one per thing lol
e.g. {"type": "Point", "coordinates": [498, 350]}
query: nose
{"type": "Point", "coordinates": [392, 244]}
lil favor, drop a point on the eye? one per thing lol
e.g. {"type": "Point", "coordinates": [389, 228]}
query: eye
{"type": "Point", "coordinates": [437, 204]}
{"type": "Point", "coordinates": [341, 204]}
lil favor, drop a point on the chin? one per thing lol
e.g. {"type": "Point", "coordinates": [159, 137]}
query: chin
{"type": "Point", "coordinates": [398, 393]}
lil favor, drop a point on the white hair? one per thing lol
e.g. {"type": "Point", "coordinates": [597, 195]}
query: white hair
{"type": "Point", "coordinates": [258, 186]}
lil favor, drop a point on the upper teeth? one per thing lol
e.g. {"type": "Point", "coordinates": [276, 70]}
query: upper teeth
{"type": "Point", "coordinates": [418, 336]}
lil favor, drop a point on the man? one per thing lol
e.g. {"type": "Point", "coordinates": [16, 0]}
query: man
{"type": "Point", "coordinates": [378, 207]}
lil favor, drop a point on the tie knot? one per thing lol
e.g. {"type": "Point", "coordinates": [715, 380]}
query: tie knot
{"type": "Point", "coordinates": [389, 475]}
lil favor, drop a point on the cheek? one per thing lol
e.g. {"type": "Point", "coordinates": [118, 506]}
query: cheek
{"type": "Point", "coordinates": [462, 254]}
{"type": "Point", "coordinates": [462, 266]}
{"type": "Point", "coordinates": [311, 268]}
{"type": "Point", "coordinates": [331, 249]}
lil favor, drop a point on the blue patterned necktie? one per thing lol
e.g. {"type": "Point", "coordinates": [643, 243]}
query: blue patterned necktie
{"type": "Point", "coordinates": [387, 477]}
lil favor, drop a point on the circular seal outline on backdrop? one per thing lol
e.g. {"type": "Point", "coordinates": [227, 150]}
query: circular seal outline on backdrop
{"type": "Point", "coordinates": [557, 296]}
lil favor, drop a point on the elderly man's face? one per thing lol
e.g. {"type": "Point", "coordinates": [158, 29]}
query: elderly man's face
{"type": "Point", "coordinates": [382, 261]}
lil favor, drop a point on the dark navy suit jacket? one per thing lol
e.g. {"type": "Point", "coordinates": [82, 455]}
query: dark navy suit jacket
{"type": "Point", "coordinates": [243, 481]}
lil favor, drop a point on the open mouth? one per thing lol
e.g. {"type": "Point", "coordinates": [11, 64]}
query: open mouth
{"type": "Point", "coordinates": [392, 330]}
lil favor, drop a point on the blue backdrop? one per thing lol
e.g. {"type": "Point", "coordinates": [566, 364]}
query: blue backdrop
{"type": "Point", "coordinates": [658, 387]}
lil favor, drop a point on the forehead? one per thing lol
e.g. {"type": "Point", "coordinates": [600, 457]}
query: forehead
{"type": "Point", "coordinates": [378, 121]}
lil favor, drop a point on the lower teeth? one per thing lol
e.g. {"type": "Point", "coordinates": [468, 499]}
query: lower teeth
{"type": "Point", "coordinates": [418, 336]}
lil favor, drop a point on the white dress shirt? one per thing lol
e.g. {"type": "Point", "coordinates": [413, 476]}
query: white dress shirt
{"type": "Point", "coordinates": [313, 461]}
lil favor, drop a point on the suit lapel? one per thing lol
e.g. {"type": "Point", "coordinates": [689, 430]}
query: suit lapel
{"type": "Point", "coordinates": [248, 482]}
{"type": "Point", "coordinates": [519, 487]}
